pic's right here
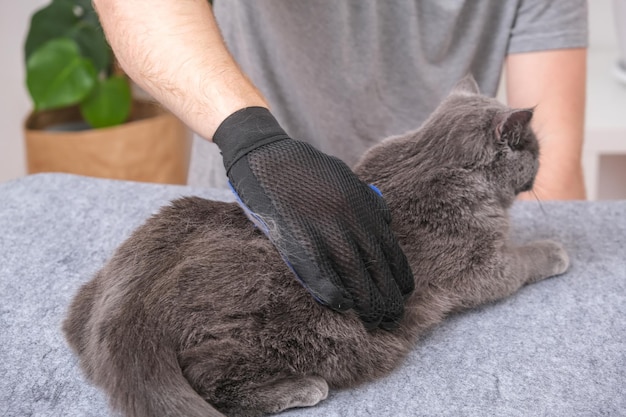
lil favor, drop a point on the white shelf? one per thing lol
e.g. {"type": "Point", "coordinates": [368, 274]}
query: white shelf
{"type": "Point", "coordinates": [605, 131]}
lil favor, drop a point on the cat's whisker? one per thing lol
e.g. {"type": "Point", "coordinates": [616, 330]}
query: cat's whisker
{"type": "Point", "coordinates": [543, 210]}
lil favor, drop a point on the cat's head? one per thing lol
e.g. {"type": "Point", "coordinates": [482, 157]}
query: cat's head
{"type": "Point", "coordinates": [480, 133]}
{"type": "Point", "coordinates": [470, 133]}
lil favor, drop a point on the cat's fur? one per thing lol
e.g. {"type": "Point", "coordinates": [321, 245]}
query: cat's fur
{"type": "Point", "coordinates": [196, 312]}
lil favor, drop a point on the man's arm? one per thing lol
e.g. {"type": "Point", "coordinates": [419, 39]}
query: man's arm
{"type": "Point", "coordinates": [174, 50]}
{"type": "Point", "coordinates": [555, 82]}
{"type": "Point", "coordinates": [343, 251]}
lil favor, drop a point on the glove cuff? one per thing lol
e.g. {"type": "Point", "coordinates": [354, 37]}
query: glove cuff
{"type": "Point", "coordinates": [244, 131]}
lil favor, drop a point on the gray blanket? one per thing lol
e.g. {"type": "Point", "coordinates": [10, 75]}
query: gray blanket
{"type": "Point", "coordinates": [556, 348]}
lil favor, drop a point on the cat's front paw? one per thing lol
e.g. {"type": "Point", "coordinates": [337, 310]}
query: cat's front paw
{"type": "Point", "coordinates": [556, 256]}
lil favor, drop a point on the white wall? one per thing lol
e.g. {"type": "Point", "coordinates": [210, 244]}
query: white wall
{"type": "Point", "coordinates": [14, 100]}
{"type": "Point", "coordinates": [15, 103]}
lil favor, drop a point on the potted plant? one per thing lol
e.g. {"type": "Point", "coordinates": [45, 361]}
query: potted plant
{"type": "Point", "coordinates": [85, 119]}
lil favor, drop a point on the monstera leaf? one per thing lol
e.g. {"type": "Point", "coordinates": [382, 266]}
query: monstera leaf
{"type": "Point", "coordinates": [74, 19]}
{"type": "Point", "coordinates": [69, 62]}
{"type": "Point", "coordinates": [58, 76]}
{"type": "Point", "coordinates": [108, 104]}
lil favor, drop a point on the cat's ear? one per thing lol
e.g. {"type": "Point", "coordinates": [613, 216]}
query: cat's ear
{"type": "Point", "coordinates": [511, 122]}
{"type": "Point", "coordinates": [467, 85]}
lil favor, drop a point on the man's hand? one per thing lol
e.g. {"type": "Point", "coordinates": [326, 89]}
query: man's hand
{"type": "Point", "coordinates": [329, 227]}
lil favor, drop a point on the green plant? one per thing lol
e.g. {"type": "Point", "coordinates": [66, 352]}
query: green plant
{"type": "Point", "coordinates": [69, 62]}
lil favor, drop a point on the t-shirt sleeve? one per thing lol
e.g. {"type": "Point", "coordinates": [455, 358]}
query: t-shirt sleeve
{"type": "Point", "coordinates": [549, 24]}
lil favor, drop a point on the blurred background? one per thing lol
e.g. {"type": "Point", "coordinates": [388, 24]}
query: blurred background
{"type": "Point", "coordinates": [605, 140]}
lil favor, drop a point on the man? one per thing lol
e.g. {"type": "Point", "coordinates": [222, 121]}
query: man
{"type": "Point", "coordinates": [341, 75]}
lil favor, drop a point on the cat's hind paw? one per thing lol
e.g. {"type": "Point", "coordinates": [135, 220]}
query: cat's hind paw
{"type": "Point", "coordinates": [308, 391]}
{"type": "Point", "coordinates": [295, 392]}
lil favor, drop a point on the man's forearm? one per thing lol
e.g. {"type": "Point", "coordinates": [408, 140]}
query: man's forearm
{"type": "Point", "coordinates": [554, 82]}
{"type": "Point", "coordinates": [174, 50]}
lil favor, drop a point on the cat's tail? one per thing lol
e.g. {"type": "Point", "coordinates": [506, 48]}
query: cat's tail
{"type": "Point", "coordinates": [142, 379]}
{"type": "Point", "coordinates": [153, 385]}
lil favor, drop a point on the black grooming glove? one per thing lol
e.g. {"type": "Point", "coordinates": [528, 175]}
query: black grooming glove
{"type": "Point", "coordinates": [332, 229]}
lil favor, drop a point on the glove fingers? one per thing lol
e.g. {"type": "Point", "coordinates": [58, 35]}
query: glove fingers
{"type": "Point", "coordinates": [397, 261]}
{"type": "Point", "coordinates": [392, 273]}
{"type": "Point", "coordinates": [368, 302]}
{"type": "Point", "coordinates": [382, 277]}
{"type": "Point", "coordinates": [348, 263]}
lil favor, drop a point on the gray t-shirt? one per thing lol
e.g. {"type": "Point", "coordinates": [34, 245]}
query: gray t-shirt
{"type": "Point", "coordinates": [344, 74]}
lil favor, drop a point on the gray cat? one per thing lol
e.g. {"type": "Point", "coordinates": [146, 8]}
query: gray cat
{"type": "Point", "coordinates": [196, 312]}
